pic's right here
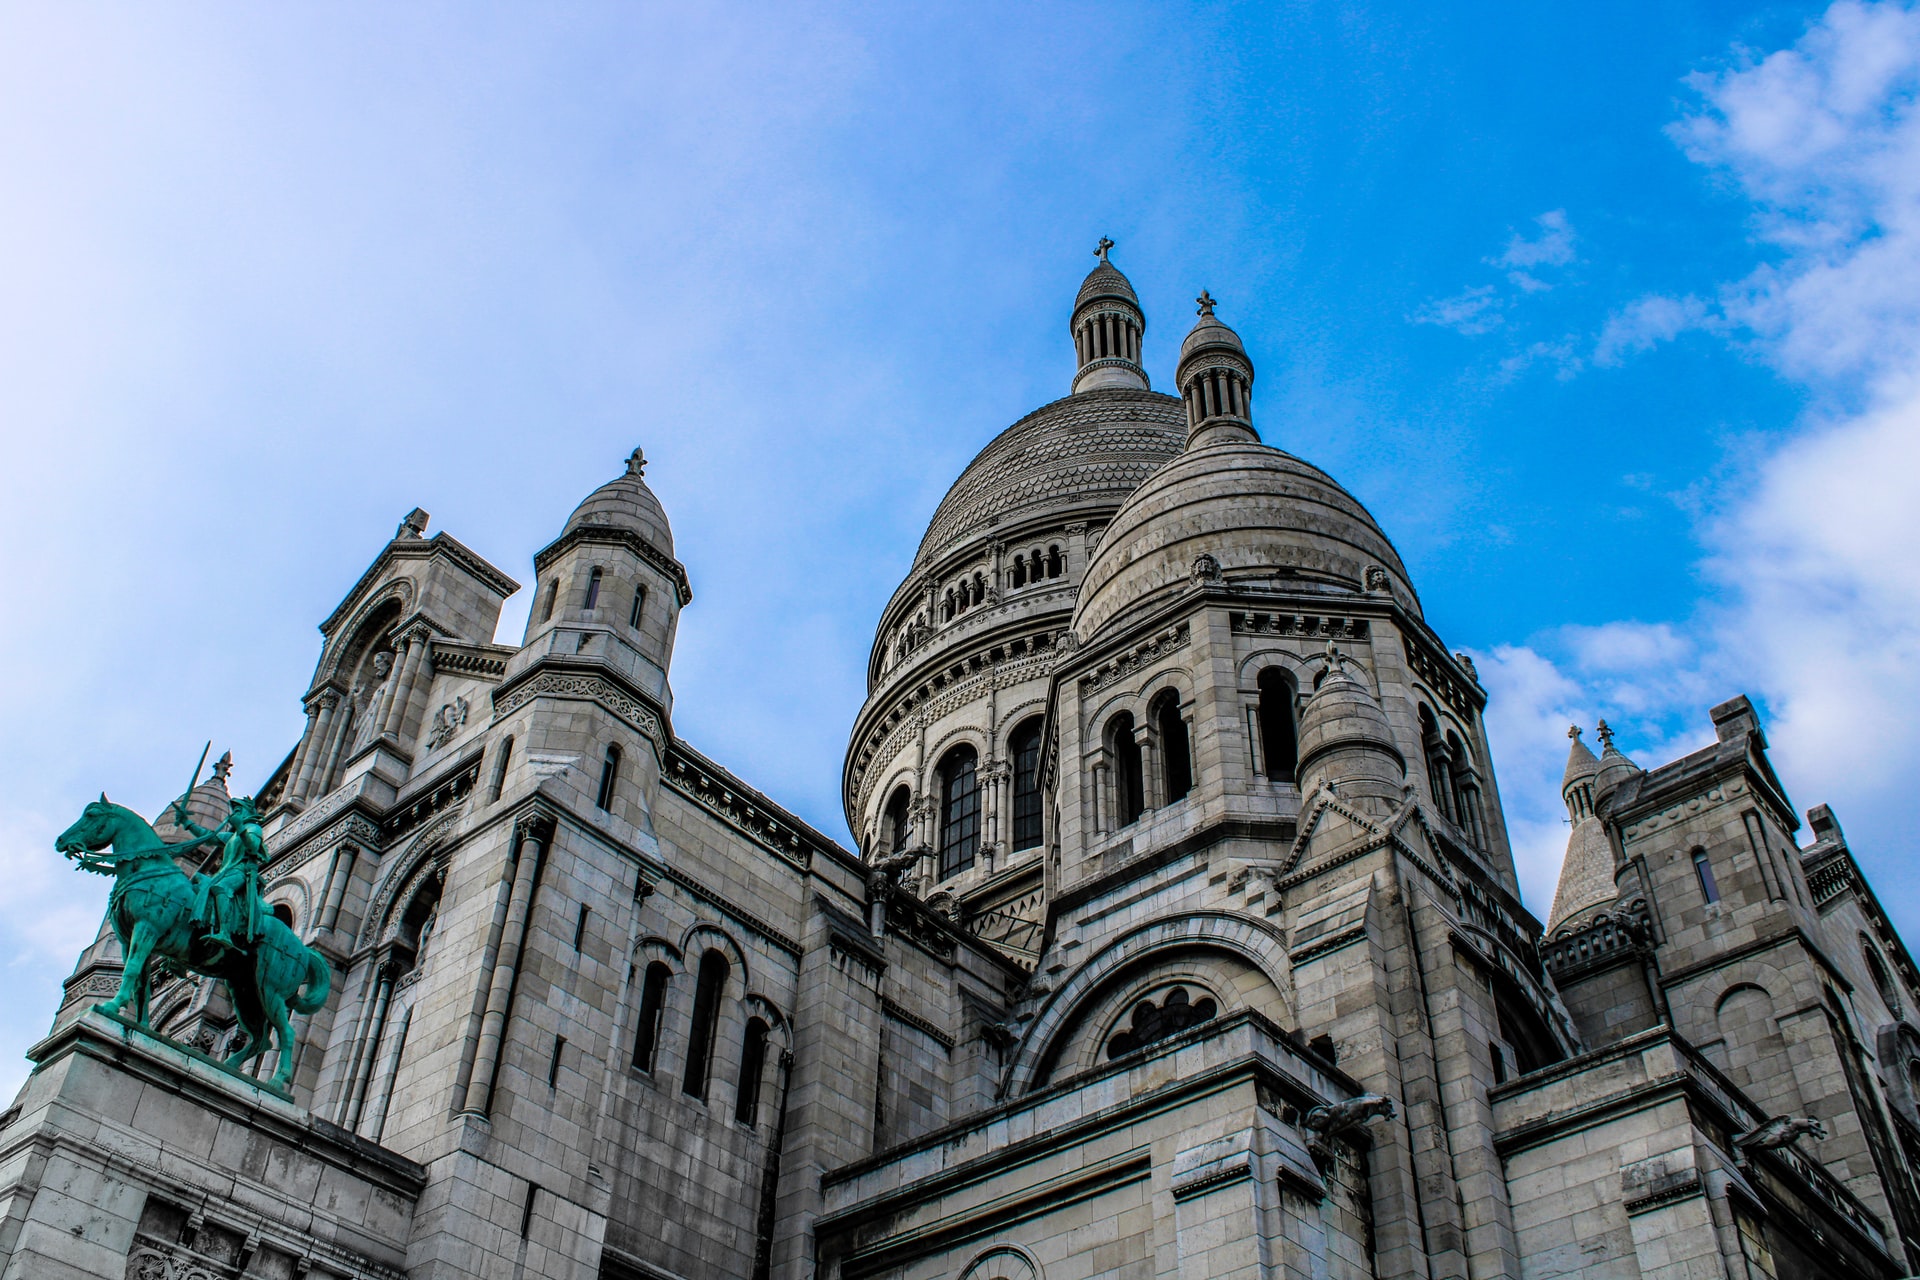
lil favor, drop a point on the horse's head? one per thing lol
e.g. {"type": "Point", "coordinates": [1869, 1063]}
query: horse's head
{"type": "Point", "coordinates": [94, 830]}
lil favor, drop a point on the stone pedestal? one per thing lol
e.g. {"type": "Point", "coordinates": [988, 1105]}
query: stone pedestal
{"type": "Point", "coordinates": [128, 1156]}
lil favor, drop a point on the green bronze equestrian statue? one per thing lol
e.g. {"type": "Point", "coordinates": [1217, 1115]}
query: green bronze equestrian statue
{"type": "Point", "coordinates": [213, 925]}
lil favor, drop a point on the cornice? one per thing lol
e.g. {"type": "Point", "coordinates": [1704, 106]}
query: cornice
{"type": "Point", "coordinates": [615, 536]}
{"type": "Point", "coordinates": [591, 682]}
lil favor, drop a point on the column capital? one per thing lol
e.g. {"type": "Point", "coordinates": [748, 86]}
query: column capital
{"type": "Point", "coordinates": [537, 823]}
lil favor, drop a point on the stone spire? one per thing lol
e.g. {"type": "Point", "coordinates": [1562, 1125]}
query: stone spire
{"type": "Point", "coordinates": [1108, 327]}
{"type": "Point", "coordinates": [1586, 872]}
{"type": "Point", "coordinates": [1216, 381]}
{"type": "Point", "coordinates": [1614, 768]}
{"type": "Point", "coordinates": [1346, 739]}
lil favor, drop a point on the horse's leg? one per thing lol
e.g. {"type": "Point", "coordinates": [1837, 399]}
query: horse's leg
{"type": "Point", "coordinates": [133, 979]}
{"type": "Point", "coordinates": [283, 1028]}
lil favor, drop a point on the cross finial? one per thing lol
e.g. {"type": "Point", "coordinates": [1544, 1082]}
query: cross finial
{"type": "Point", "coordinates": [1206, 303]}
{"type": "Point", "coordinates": [1573, 731]}
{"type": "Point", "coordinates": [1605, 734]}
{"type": "Point", "coordinates": [637, 463]}
{"type": "Point", "coordinates": [1100, 251]}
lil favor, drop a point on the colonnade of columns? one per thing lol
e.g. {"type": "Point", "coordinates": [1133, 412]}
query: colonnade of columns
{"type": "Point", "coordinates": [330, 728]}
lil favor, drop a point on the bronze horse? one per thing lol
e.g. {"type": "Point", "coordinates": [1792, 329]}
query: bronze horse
{"type": "Point", "coordinates": [152, 910]}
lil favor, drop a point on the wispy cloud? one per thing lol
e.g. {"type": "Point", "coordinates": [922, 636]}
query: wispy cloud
{"type": "Point", "coordinates": [1472, 311]}
{"type": "Point", "coordinates": [1815, 552]}
{"type": "Point", "coordinates": [1552, 247]}
{"type": "Point", "coordinates": [1525, 262]}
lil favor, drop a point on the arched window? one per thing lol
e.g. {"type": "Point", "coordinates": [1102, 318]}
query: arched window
{"type": "Point", "coordinates": [1882, 977]}
{"type": "Point", "coordinates": [1129, 800]}
{"type": "Point", "coordinates": [653, 998]}
{"type": "Point", "coordinates": [1466, 791]}
{"type": "Point", "coordinates": [283, 913]}
{"type": "Point", "coordinates": [1025, 748]}
{"type": "Point", "coordinates": [1020, 571]}
{"type": "Point", "coordinates": [959, 811]}
{"type": "Point", "coordinates": [894, 828]}
{"type": "Point", "coordinates": [500, 763]}
{"type": "Point", "coordinates": [639, 606]}
{"type": "Point", "coordinates": [1703, 868]}
{"type": "Point", "coordinates": [706, 1021]}
{"type": "Point", "coordinates": [1176, 753]}
{"type": "Point", "coordinates": [609, 777]}
{"type": "Point", "coordinates": [753, 1065]}
{"type": "Point", "coordinates": [1055, 564]}
{"type": "Point", "coordinates": [946, 610]}
{"type": "Point", "coordinates": [553, 597]}
{"type": "Point", "coordinates": [1279, 743]}
{"type": "Point", "coordinates": [593, 589]}
{"type": "Point", "coordinates": [979, 589]}
{"type": "Point", "coordinates": [1439, 766]}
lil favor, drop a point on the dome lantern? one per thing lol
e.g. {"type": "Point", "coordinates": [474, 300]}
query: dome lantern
{"type": "Point", "coordinates": [1216, 381]}
{"type": "Point", "coordinates": [1108, 327]}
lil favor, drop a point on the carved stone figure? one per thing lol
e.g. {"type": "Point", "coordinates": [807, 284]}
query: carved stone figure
{"type": "Point", "coordinates": [1339, 1117]}
{"type": "Point", "coordinates": [1781, 1131]}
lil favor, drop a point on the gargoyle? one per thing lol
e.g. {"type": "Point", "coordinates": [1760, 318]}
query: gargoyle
{"type": "Point", "coordinates": [1339, 1117]}
{"type": "Point", "coordinates": [1780, 1131]}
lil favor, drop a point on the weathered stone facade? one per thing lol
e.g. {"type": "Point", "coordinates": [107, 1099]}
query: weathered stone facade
{"type": "Point", "coordinates": [1183, 938]}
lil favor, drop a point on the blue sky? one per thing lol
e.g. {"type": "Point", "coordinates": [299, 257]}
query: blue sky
{"type": "Point", "coordinates": [1610, 313]}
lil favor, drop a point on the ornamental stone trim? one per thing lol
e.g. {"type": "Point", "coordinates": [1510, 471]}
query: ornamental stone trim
{"type": "Point", "coordinates": [1141, 655]}
{"type": "Point", "coordinates": [592, 688]}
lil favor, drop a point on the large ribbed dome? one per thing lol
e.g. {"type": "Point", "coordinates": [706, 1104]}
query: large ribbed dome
{"type": "Point", "coordinates": [1259, 512]}
{"type": "Point", "coordinates": [1088, 449]}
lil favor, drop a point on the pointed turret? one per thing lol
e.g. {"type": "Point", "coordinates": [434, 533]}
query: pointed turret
{"type": "Point", "coordinates": [1345, 738]}
{"type": "Point", "coordinates": [1216, 381]}
{"type": "Point", "coordinates": [1108, 328]}
{"type": "Point", "coordinates": [1614, 768]}
{"type": "Point", "coordinates": [1586, 873]}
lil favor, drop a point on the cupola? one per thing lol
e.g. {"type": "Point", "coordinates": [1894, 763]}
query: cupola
{"type": "Point", "coordinates": [1614, 768]}
{"type": "Point", "coordinates": [1345, 738]}
{"type": "Point", "coordinates": [1216, 381]}
{"type": "Point", "coordinates": [1108, 327]}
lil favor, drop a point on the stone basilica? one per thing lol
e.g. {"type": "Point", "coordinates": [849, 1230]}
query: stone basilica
{"type": "Point", "coordinates": [1183, 937]}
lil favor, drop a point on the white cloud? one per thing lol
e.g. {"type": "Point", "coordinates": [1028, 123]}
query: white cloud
{"type": "Point", "coordinates": [1553, 247]}
{"type": "Point", "coordinates": [1815, 552]}
{"type": "Point", "coordinates": [1472, 311]}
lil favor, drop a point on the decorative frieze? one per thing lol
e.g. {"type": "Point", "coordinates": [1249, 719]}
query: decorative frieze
{"type": "Point", "coordinates": [1438, 674]}
{"type": "Point", "coordinates": [1134, 659]}
{"type": "Point", "coordinates": [1309, 625]}
{"type": "Point", "coordinates": [590, 687]}
{"type": "Point", "coordinates": [746, 813]}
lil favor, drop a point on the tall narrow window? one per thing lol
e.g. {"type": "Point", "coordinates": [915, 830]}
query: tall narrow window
{"type": "Point", "coordinates": [639, 606]}
{"type": "Point", "coordinates": [959, 811]}
{"type": "Point", "coordinates": [653, 997]}
{"type": "Point", "coordinates": [500, 763]}
{"type": "Point", "coordinates": [1466, 791]}
{"type": "Point", "coordinates": [1129, 800]}
{"type": "Point", "coordinates": [580, 926]}
{"type": "Point", "coordinates": [1439, 765]}
{"type": "Point", "coordinates": [609, 777]}
{"type": "Point", "coordinates": [1709, 888]}
{"type": "Point", "coordinates": [1055, 565]}
{"type": "Point", "coordinates": [1279, 746]}
{"type": "Point", "coordinates": [553, 595]}
{"type": "Point", "coordinates": [1025, 746]}
{"type": "Point", "coordinates": [593, 588]}
{"type": "Point", "coordinates": [1019, 571]}
{"type": "Point", "coordinates": [895, 830]}
{"type": "Point", "coordinates": [1176, 753]}
{"type": "Point", "coordinates": [753, 1065]}
{"type": "Point", "coordinates": [706, 1021]}
{"type": "Point", "coordinates": [553, 1067]}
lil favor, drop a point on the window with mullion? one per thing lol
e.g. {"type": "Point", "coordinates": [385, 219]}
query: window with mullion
{"type": "Point", "coordinates": [959, 811]}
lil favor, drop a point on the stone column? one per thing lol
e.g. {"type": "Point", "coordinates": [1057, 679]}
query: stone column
{"type": "Point", "coordinates": [389, 1070]}
{"type": "Point", "coordinates": [317, 743]}
{"type": "Point", "coordinates": [307, 747]}
{"type": "Point", "coordinates": [419, 642]}
{"type": "Point", "coordinates": [368, 1049]}
{"type": "Point", "coordinates": [539, 830]}
{"type": "Point", "coordinates": [344, 860]}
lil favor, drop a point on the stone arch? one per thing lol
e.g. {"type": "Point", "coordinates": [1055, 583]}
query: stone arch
{"type": "Point", "coordinates": [1002, 1262]}
{"type": "Point", "coordinates": [655, 947]}
{"type": "Point", "coordinates": [1299, 667]}
{"type": "Point", "coordinates": [1257, 942]}
{"type": "Point", "coordinates": [703, 935]}
{"type": "Point", "coordinates": [294, 893]}
{"type": "Point", "coordinates": [1013, 717]}
{"type": "Point", "coordinates": [961, 735]}
{"type": "Point", "coordinates": [1741, 1007]}
{"type": "Point", "coordinates": [432, 844]}
{"type": "Point", "coordinates": [353, 638]}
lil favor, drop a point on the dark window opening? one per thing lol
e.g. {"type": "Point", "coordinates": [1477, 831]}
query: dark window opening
{"type": "Point", "coordinates": [639, 607]}
{"type": "Point", "coordinates": [283, 913]}
{"type": "Point", "coordinates": [895, 829]}
{"type": "Point", "coordinates": [1055, 564]}
{"type": "Point", "coordinates": [1150, 1022]}
{"type": "Point", "coordinates": [609, 776]}
{"type": "Point", "coordinates": [1027, 823]}
{"type": "Point", "coordinates": [553, 1068]}
{"type": "Point", "coordinates": [1176, 752]}
{"type": "Point", "coordinates": [553, 596]}
{"type": "Point", "coordinates": [1129, 800]}
{"type": "Point", "coordinates": [753, 1065]}
{"type": "Point", "coordinates": [959, 811]}
{"type": "Point", "coordinates": [1709, 887]}
{"type": "Point", "coordinates": [1279, 744]}
{"type": "Point", "coordinates": [1020, 571]}
{"type": "Point", "coordinates": [706, 1021]}
{"type": "Point", "coordinates": [593, 589]}
{"type": "Point", "coordinates": [1439, 764]}
{"type": "Point", "coordinates": [653, 995]}
{"type": "Point", "coordinates": [580, 926]}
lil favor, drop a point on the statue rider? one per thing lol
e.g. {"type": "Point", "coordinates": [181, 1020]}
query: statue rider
{"type": "Point", "coordinates": [228, 902]}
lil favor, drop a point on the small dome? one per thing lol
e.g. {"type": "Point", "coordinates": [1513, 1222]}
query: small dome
{"type": "Point", "coordinates": [1108, 329]}
{"type": "Point", "coordinates": [1343, 713]}
{"type": "Point", "coordinates": [1209, 332]}
{"type": "Point", "coordinates": [1262, 514]}
{"type": "Point", "coordinates": [1614, 768]}
{"type": "Point", "coordinates": [626, 502]}
{"type": "Point", "coordinates": [1105, 281]}
{"type": "Point", "coordinates": [1581, 762]}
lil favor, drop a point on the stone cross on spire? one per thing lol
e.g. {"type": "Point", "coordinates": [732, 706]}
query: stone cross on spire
{"type": "Point", "coordinates": [1100, 251]}
{"type": "Point", "coordinates": [1206, 303]}
{"type": "Point", "coordinates": [637, 463]}
{"type": "Point", "coordinates": [1573, 731]}
{"type": "Point", "coordinates": [1605, 734]}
